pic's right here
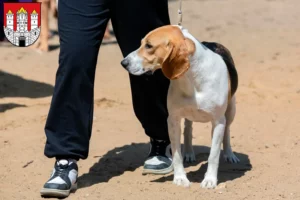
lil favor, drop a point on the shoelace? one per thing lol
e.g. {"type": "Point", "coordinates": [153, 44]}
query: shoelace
{"type": "Point", "coordinates": [60, 170]}
{"type": "Point", "coordinates": [158, 148]}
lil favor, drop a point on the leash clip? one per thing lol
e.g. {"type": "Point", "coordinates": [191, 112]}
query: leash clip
{"type": "Point", "coordinates": [179, 17]}
{"type": "Point", "coordinates": [180, 13]}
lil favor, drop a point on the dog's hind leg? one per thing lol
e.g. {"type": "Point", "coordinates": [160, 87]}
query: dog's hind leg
{"type": "Point", "coordinates": [189, 155]}
{"type": "Point", "coordinates": [228, 154]}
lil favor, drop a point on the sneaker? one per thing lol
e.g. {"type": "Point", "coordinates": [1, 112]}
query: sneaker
{"type": "Point", "coordinates": [63, 179]}
{"type": "Point", "coordinates": [159, 160]}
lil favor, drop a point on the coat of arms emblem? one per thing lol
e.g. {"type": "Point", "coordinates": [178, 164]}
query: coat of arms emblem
{"type": "Point", "coordinates": [22, 23]}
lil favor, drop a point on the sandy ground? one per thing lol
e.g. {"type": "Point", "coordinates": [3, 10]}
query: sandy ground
{"type": "Point", "coordinates": [263, 36]}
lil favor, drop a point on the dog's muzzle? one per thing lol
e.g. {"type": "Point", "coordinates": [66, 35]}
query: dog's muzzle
{"type": "Point", "coordinates": [133, 64]}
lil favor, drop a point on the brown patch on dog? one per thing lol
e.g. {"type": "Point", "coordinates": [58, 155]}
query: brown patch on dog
{"type": "Point", "coordinates": [191, 46]}
{"type": "Point", "coordinates": [167, 48]}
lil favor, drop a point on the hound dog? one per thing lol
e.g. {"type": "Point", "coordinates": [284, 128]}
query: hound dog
{"type": "Point", "coordinates": [202, 89]}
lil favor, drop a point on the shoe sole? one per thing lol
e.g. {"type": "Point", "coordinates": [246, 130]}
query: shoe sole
{"type": "Point", "coordinates": [160, 171]}
{"type": "Point", "coordinates": [47, 192]}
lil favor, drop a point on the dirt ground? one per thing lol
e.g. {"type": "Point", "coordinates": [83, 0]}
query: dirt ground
{"type": "Point", "coordinates": [263, 36]}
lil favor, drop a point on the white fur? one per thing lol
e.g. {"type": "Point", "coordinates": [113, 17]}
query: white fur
{"type": "Point", "coordinates": [135, 66]}
{"type": "Point", "coordinates": [200, 95]}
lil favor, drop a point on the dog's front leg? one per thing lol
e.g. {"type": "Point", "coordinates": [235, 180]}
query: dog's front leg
{"type": "Point", "coordinates": [175, 134]}
{"type": "Point", "coordinates": [210, 179]}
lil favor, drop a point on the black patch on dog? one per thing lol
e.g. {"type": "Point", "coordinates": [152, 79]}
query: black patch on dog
{"type": "Point", "coordinates": [226, 55]}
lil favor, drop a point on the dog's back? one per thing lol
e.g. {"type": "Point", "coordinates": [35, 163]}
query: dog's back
{"type": "Point", "coordinates": [226, 55]}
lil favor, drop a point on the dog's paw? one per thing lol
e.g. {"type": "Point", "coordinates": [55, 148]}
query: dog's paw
{"type": "Point", "coordinates": [181, 181]}
{"type": "Point", "coordinates": [209, 183]}
{"type": "Point", "coordinates": [189, 157]}
{"type": "Point", "coordinates": [230, 157]}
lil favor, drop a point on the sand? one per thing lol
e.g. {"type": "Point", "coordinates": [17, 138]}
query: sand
{"type": "Point", "coordinates": [263, 37]}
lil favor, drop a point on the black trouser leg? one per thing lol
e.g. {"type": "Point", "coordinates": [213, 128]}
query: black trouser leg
{"type": "Point", "coordinates": [132, 20]}
{"type": "Point", "coordinates": [81, 25]}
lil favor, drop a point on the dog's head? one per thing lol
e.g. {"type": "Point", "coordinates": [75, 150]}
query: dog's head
{"type": "Point", "coordinates": [165, 48]}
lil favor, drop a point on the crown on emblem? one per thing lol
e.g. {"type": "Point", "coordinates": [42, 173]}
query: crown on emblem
{"type": "Point", "coordinates": [22, 10]}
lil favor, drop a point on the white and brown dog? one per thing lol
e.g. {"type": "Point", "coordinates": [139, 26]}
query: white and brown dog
{"type": "Point", "coordinates": [203, 83]}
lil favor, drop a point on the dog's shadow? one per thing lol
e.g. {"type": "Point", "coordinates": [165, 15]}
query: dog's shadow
{"type": "Point", "coordinates": [130, 157]}
{"type": "Point", "coordinates": [226, 172]}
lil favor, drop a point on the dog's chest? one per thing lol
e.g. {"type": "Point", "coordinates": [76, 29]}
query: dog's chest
{"type": "Point", "coordinates": [192, 113]}
{"type": "Point", "coordinates": [184, 101]}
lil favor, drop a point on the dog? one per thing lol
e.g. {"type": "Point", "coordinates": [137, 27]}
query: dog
{"type": "Point", "coordinates": [203, 83]}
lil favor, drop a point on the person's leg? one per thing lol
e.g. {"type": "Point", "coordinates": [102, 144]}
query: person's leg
{"type": "Point", "coordinates": [2, 35]}
{"type": "Point", "coordinates": [132, 20]}
{"type": "Point", "coordinates": [81, 26]}
{"type": "Point", "coordinates": [42, 42]}
{"type": "Point", "coordinates": [53, 9]}
{"type": "Point", "coordinates": [108, 37]}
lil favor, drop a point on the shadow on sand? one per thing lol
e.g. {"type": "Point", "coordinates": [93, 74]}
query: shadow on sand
{"type": "Point", "coordinates": [130, 157]}
{"type": "Point", "coordinates": [8, 106]}
{"type": "Point", "coordinates": [16, 86]}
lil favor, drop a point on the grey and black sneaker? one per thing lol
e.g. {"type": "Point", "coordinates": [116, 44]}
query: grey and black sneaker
{"type": "Point", "coordinates": [63, 179]}
{"type": "Point", "coordinates": [159, 160]}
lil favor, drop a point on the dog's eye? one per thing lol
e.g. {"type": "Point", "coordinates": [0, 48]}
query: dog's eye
{"type": "Point", "coordinates": [148, 46]}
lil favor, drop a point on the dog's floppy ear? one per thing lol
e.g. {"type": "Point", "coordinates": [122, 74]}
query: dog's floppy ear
{"type": "Point", "coordinates": [176, 61]}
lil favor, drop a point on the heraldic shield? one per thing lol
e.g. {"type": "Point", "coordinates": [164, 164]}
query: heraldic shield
{"type": "Point", "coordinates": [22, 23]}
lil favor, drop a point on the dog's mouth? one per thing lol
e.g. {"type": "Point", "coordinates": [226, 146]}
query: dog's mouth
{"type": "Point", "coordinates": [151, 71]}
{"type": "Point", "coordinates": [148, 73]}
{"type": "Point", "coordinates": [139, 72]}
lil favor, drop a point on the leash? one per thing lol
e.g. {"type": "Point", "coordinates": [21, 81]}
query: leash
{"type": "Point", "coordinates": [180, 13]}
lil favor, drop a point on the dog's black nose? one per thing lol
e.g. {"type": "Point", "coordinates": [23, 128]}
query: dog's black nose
{"type": "Point", "coordinates": [125, 63]}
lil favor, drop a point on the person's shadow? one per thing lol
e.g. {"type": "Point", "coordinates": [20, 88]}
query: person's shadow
{"type": "Point", "coordinates": [16, 86]}
{"type": "Point", "coordinates": [130, 157]}
{"type": "Point", "coordinates": [114, 163]}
